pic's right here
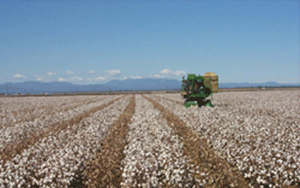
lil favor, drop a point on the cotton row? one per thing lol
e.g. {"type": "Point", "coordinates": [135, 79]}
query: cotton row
{"type": "Point", "coordinates": [263, 144]}
{"type": "Point", "coordinates": [59, 159]}
{"type": "Point", "coordinates": [154, 154]}
{"type": "Point", "coordinates": [24, 130]}
{"type": "Point", "coordinates": [19, 109]}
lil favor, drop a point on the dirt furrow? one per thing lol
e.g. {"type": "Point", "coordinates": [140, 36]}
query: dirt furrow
{"type": "Point", "coordinates": [105, 169]}
{"type": "Point", "coordinates": [154, 153]}
{"type": "Point", "coordinates": [49, 113]}
{"type": "Point", "coordinates": [262, 147]}
{"type": "Point", "coordinates": [244, 108]}
{"type": "Point", "coordinates": [218, 171]}
{"type": "Point", "coordinates": [17, 110]}
{"type": "Point", "coordinates": [57, 160]}
{"type": "Point", "coordinates": [13, 149]}
{"type": "Point", "coordinates": [246, 113]}
{"type": "Point", "coordinates": [172, 100]}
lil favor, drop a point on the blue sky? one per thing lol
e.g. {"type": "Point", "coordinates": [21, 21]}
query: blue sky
{"type": "Point", "coordinates": [94, 42]}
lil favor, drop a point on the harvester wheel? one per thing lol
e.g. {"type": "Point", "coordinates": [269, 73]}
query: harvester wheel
{"type": "Point", "coordinates": [200, 103]}
{"type": "Point", "coordinates": [208, 103]}
{"type": "Point", "coordinates": [189, 103]}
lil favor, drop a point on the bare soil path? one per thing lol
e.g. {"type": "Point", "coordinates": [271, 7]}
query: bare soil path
{"type": "Point", "coordinates": [10, 150]}
{"type": "Point", "coordinates": [105, 170]}
{"type": "Point", "coordinates": [221, 173]}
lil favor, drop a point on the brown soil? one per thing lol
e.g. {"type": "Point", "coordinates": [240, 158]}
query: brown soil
{"type": "Point", "coordinates": [105, 169]}
{"type": "Point", "coordinates": [221, 173]}
{"type": "Point", "coordinates": [49, 113]}
{"type": "Point", "coordinates": [10, 150]}
{"type": "Point", "coordinates": [172, 100]}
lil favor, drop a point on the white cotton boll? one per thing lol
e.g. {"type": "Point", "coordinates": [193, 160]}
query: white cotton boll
{"type": "Point", "coordinates": [57, 150]}
{"type": "Point", "coordinates": [278, 155]}
{"type": "Point", "coordinates": [253, 124]}
{"type": "Point", "coordinates": [253, 130]}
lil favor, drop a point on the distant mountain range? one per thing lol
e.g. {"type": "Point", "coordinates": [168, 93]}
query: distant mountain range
{"type": "Point", "coordinates": [35, 87]}
{"type": "Point", "coordinates": [264, 84]}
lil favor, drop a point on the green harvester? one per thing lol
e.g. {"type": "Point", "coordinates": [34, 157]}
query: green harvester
{"type": "Point", "coordinates": [195, 89]}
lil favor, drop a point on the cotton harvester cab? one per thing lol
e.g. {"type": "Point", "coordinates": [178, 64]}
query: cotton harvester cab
{"type": "Point", "coordinates": [195, 89]}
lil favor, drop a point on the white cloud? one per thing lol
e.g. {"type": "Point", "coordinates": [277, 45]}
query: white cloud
{"type": "Point", "coordinates": [113, 72]}
{"type": "Point", "coordinates": [19, 76]}
{"type": "Point", "coordinates": [136, 77]}
{"type": "Point", "coordinates": [132, 77]}
{"type": "Point", "coordinates": [76, 79]}
{"type": "Point", "coordinates": [40, 78]}
{"type": "Point", "coordinates": [166, 71]}
{"type": "Point", "coordinates": [100, 78]}
{"type": "Point", "coordinates": [107, 75]}
{"type": "Point", "coordinates": [73, 79]}
{"type": "Point", "coordinates": [180, 73]}
{"type": "Point", "coordinates": [69, 72]}
{"type": "Point", "coordinates": [51, 73]}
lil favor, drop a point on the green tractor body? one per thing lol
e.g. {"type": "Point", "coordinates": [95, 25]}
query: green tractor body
{"type": "Point", "coordinates": [195, 89]}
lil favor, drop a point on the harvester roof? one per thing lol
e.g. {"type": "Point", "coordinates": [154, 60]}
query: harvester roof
{"type": "Point", "coordinates": [210, 74]}
{"type": "Point", "coordinates": [194, 77]}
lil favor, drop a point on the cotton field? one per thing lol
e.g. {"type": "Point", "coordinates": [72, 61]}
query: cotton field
{"type": "Point", "coordinates": [248, 139]}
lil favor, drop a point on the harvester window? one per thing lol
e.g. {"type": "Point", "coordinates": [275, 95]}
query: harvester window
{"type": "Point", "coordinates": [198, 85]}
{"type": "Point", "coordinates": [195, 86]}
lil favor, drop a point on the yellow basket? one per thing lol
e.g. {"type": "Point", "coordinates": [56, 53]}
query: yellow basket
{"type": "Point", "coordinates": [211, 79]}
